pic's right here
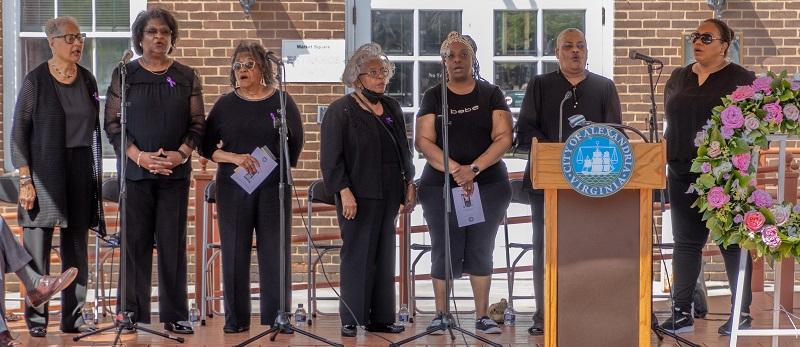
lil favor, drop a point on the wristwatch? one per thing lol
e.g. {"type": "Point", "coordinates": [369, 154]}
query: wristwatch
{"type": "Point", "coordinates": [184, 157]}
{"type": "Point", "coordinates": [475, 169]}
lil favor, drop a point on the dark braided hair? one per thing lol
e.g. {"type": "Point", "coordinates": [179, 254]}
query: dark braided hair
{"type": "Point", "coordinates": [259, 54]}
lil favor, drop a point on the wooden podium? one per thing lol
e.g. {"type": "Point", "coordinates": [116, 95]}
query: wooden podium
{"type": "Point", "coordinates": [598, 253]}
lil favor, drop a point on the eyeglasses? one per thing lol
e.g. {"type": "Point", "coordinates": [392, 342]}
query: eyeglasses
{"type": "Point", "coordinates": [70, 38]}
{"type": "Point", "coordinates": [154, 31]}
{"type": "Point", "coordinates": [249, 65]}
{"type": "Point", "coordinates": [706, 38]}
{"type": "Point", "coordinates": [377, 73]}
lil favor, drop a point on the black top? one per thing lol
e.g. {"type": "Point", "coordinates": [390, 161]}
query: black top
{"type": "Point", "coordinates": [38, 139]}
{"type": "Point", "coordinates": [687, 107]}
{"type": "Point", "coordinates": [242, 125]}
{"type": "Point", "coordinates": [350, 151]}
{"type": "Point", "coordinates": [79, 112]}
{"type": "Point", "coordinates": [470, 131]}
{"type": "Point", "coordinates": [388, 147]}
{"type": "Point", "coordinates": [595, 97]}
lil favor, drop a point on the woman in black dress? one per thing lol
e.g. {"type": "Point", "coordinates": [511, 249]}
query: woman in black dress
{"type": "Point", "coordinates": [240, 122]}
{"type": "Point", "coordinates": [165, 123]}
{"type": "Point", "coordinates": [366, 162]}
{"type": "Point", "coordinates": [690, 94]}
{"type": "Point", "coordinates": [55, 144]}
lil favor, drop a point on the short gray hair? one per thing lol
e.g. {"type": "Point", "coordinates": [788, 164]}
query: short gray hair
{"type": "Point", "coordinates": [55, 26]}
{"type": "Point", "coordinates": [560, 36]}
{"type": "Point", "coordinates": [360, 58]}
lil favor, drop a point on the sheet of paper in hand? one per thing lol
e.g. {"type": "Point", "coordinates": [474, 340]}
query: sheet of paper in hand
{"type": "Point", "coordinates": [469, 209]}
{"type": "Point", "coordinates": [250, 181]}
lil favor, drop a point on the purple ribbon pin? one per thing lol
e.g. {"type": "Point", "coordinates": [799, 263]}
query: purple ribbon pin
{"type": "Point", "coordinates": [271, 114]}
{"type": "Point", "coordinates": [388, 120]}
{"type": "Point", "coordinates": [171, 81]}
{"type": "Point", "coordinates": [96, 97]}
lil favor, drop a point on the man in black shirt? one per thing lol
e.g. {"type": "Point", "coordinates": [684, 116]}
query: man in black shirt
{"type": "Point", "coordinates": [591, 95]}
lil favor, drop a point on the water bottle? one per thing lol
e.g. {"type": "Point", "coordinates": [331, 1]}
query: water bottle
{"type": "Point", "coordinates": [88, 316]}
{"type": "Point", "coordinates": [194, 315]}
{"type": "Point", "coordinates": [509, 317]}
{"type": "Point", "coordinates": [300, 315]}
{"type": "Point", "coordinates": [402, 316]}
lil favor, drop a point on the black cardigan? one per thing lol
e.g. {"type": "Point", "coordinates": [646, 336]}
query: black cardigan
{"type": "Point", "coordinates": [350, 153]}
{"type": "Point", "coordinates": [38, 141]}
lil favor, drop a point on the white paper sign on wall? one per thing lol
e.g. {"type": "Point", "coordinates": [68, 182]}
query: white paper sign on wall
{"type": "Point", "coordinates": [313, 60]}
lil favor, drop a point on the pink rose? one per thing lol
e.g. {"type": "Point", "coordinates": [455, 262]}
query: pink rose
{"type": "Point", "coordinates": [751, 122]}
{"type": "Point", "coordinates": [754, 220]}
{"type": "Point", "coordinates": [770, 236]}
{"type": "Point", "coordinates": [774, 112]}
{"type": "Point", "coordinates": [741, 161]}
{"type": "Point", "coordinates": [714, 149]}
{"type": "Point", "coordinates": [762, 84]}
{"type": "Point", "coordinates": [732, 117]}
{"type": "Point", "coordinates": [717, 197]}
{"type": "Point", "coordinates": [742, 93]}
{"type": "Point", "coordinates": [791, 112]}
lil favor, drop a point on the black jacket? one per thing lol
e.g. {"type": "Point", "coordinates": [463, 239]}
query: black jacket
{"type": "Point", "coordinates": [350, 153]}
{"type": "Point", "coordinates": [38, 141]}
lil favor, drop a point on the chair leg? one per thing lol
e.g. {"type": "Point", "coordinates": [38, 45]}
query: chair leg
{"type": "Point", "coordinates": [509, 273]}
{"type": "Point", "coordinates": [513, 275]}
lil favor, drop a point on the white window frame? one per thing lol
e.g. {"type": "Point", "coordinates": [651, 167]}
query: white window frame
{"type": "Point", "coordinates": [12, 76]}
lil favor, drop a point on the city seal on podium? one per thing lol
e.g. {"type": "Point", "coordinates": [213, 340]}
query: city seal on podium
{"type": "Point", "coordinates": [597, 160]}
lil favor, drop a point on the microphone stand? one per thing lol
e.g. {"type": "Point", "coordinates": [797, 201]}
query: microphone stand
{"type": "Point", "coordinates": [561, 116]}
{"type": "Point", "coordinates": [123, 319]}
{"type": "Point", "coordinates": [448, 322]}
{"type": "Point", "coordinates": [282, 322]}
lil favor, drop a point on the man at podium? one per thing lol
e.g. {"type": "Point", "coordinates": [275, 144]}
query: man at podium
{"type": "Point", "coordinates": [568, 91]}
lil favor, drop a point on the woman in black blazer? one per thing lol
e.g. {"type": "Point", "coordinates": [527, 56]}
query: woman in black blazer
{"type": "Point", "coordinates": [366, 162]}
{"type": "Point", "coordinates": [55, 145]}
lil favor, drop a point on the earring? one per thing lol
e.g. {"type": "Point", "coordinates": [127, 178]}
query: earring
{"type": "Point", "coordinates": [263, 82]}
{"type": "Point", "coordinates": [236, 85]}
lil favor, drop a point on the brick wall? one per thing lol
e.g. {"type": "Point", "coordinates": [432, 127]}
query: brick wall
{"type": "Point", "coordinates": [770, 40]}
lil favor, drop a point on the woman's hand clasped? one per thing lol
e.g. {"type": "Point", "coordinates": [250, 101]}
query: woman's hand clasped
{"type": "Point", "coordinates": [158, 163]}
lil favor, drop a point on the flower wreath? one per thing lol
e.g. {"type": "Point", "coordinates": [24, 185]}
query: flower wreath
{"type": "Point", "coordinates": [736, 211]}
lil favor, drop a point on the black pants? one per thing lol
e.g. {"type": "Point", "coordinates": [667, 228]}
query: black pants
{"type": "Point", "coordinates": [73, 242]}
{"type": "Point", "coordinates": [239, 214]}
{"type": "Point", "coordinates": [537, 216]}
{"type": "Point", "coordinates": [691, 235]}
{"type": "Point", "coordinates": [156, 212]}
{"type": "Point", "coordinates": [368, 256]}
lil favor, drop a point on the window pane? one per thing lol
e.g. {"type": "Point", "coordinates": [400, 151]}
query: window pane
{"type": "Point", "coordinates": [35, 13]}
{"type": "Point", "coordinates": [434, 27]}
{"type": "Point", "coordinates": [515, 33]}
{"type": "Point", "coordinates": [34, 52]}
{"type": "Point", "coordinates": [112, 15]}
{"type": "Point", "coordinates": [557, 20]}
{"type": "Point", "coordinates": [109, 51]}
{"type": "Point", "coordinates": [430, 74]}
{"type": "Point", "coordinates": [512, 78]}
{"type": "Point", "coordinates": [401, 87]}
{"type": "Point", "coordinates": [81, 10]}
{"type": "Point", "coordinates": [393, 30]}
{"type": "Point", "coordinates": [549, 66]}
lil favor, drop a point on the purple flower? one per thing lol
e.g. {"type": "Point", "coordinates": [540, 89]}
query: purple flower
{"type": "Point", "coordinates": [171, 82]}
{"type": "Point", "coordinates": [714, 149]}
{"type": "Point", "coordinates": [738, 219]}
{"type": "Point", "coordinates": [761, 198]}
{"type": "Point", "coordinates": [770, 236]}
{"type": "Point", "coordinates": [700, 138]}
{"type": "Point", "coordinates": [726, 132]}
{"type": "Point", "coordinates": [732, 117]}
{"type": "Point", "coordinates": [705, 167]}
{"type": "Point", "coordinates": [741, 161]}
{"type": "Point", "coordinates": [795, 85]}
{"type": "Point", "coordinates": [781, 214]}
{"type": "Point", "coordinates": [762, 84]}
{"type": "Point", "coordinates": [742, 93]}
{"type": "Point", "coordinates": [796, 209]}
{"type": "Point", "coordinates": [717, 197]}
{"type": "Point", "coordinates": [791, 112]}
{"type": "Point", "coordinates": [774, 112]}
{"type": "Point", "coordinates": [751, 122]}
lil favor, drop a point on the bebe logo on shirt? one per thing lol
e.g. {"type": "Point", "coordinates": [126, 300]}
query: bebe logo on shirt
{"type": "Point", "coordinates": [464, 110]}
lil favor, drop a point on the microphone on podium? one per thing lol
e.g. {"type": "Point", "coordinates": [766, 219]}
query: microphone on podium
{"type": "Point", "coordinates": [646, 58]}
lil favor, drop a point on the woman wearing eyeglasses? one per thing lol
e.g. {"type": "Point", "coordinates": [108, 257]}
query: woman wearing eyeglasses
{"type": "Point", "coordinates": [55, 145]}
{"type": "Point", "coordinates": [689, 96]}
{"type": "Point", "coordinates": [165, 121]}
{"type": "Point", "coordinates": [239, 123]}
{"type": "Point", "coordinates": [366, 161]}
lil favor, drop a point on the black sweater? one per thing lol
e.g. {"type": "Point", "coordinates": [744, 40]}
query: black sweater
{"type": "Point", "coordinates": [687, 107]}
{"type": "Point", "coordinates": [350, 153]}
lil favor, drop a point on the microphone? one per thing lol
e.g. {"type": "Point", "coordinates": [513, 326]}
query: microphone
{"type": "Point", "coordinates": [567, 95]}
{"type": "Point", "coordinates": [579, 120]}
{"type": "Point", "coordinates": [274, 58]}
{"type": "Point", "coordinates": [646, 58]}
{"type": "Point", "coordinates": [126, 57]}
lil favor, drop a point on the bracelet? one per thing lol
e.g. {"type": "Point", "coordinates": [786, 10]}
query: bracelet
{"type": "Point", "coordinates": [183, 155]}
{"type": "Point", "coordinates": [138, 157]}
{"type": "Point", "coordinates": [24, 180]}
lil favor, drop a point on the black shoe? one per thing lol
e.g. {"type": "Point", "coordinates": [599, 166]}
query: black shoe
{"type": "Point", "coordinates": [537, 329]}
{"type": "Point", "coordinates": [745, 322]}
{"type": "Point", "coordinates": [178, 328]}
{"type": "Point", "coordinates": [349, 330]}
{"type": "Point", "coordinates": [235, 330]}
{"type": "Point", "coordinates": [385, 328]}
{"type": "Point", "coordinates": [38, 331]}
{"type": "Point", "coordinates": [679, 322]}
